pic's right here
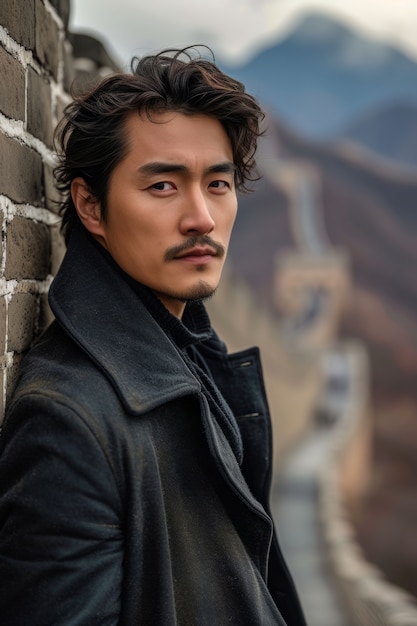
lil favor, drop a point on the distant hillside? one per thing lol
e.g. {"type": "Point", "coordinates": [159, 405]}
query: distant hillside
{"type": "Point", "coordinates": [369, 210]}
{"type": "Point", "coordinates": [389, 130]}
{"type": "Point", "coordinates": [262, 229]}
{"type": "Point", "coordinates": [323, 75]}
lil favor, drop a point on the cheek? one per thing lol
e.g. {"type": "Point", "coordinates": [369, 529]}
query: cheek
{"type": "Point", "coordinates": [131, 224]}
{"type": "Point", "coordinates": [231, 216]}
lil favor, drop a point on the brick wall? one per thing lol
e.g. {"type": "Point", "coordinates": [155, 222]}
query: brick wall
{"type": "Point", "coordinates": [36, 69]}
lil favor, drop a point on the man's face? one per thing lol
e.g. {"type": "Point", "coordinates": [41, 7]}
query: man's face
{"type": "Point", "coordinates": [171, 206]}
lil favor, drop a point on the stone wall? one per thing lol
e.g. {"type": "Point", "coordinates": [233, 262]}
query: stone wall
{"type": "Point", "coordinates": [369, 598]}
{"type": "Point", "coordinates": [37, 66]}
{"type": "Point", "coordinates": [36, 71]}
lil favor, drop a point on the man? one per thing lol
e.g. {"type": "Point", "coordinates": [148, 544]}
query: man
{"type": "Point", "coordinates": [135, 463]}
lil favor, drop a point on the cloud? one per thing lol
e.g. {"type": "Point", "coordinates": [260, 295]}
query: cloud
{"type": "Point", "coordinates": [235, 29]}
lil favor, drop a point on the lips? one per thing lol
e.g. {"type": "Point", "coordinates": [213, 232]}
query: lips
{"type": "Point", "coordinates": [197, 252]}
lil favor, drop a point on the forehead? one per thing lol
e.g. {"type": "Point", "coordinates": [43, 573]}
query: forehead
{"type": "Point", "coordinates": [177, 136]}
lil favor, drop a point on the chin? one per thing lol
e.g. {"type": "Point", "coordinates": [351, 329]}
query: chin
{"type": "Point", "coordinates": [201, 291]}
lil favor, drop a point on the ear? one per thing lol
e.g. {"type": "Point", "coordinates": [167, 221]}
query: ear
{"type": "Point", "coordinates": [87, 206]}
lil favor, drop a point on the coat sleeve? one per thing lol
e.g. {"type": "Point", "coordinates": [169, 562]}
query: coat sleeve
{"type": "Point", "coordinates": [61, 541]}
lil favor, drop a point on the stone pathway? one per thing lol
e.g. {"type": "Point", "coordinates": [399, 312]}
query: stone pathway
{"type": "Point", "coordinates": [294, 507]}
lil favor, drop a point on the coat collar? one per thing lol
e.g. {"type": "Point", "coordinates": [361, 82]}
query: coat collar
{"type": "Point", "coordinates": [99, 310]}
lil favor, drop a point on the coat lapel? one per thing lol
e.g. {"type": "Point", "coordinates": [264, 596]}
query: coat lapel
{"type": "Point", "coordinates": [108, 321]}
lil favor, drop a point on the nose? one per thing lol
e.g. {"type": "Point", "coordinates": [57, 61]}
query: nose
{"type": "Point", "coordinates": [196, 217]}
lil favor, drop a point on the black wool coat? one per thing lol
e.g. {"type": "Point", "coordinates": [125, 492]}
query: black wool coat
{"type": "Point", "coordinates": [121, 500]}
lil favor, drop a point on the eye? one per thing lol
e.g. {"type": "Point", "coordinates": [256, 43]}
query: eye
{"type": "Point", "coordinates": [220, 185]}
{"type": "Point", "coordinates": [162, 186]}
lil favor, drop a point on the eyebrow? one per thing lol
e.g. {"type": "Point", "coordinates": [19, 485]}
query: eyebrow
{"type": "Point", "coordinates": [159, 167]}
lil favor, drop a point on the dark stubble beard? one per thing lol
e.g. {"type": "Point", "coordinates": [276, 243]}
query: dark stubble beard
{"type": "Point", "coordinates": [202, 291]}
{"type": "Point", "coordinates": [199, 293]}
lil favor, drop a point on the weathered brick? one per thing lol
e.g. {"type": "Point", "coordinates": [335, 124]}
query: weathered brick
{"type": "Point", "coordinates": [61, 103]}
{"type": "Point", "coordinates": [27, 249]}
{"type": "Point", "coordinates": [52, 195]}
{"type": "Point", "coordinates": [18, 18]}
{"type": "Point", "coordinates": [39, 108]}
{"type": "Point", "coordinates": [12, 373]}
{"type": "Point", "coordinates": [47, 39]}
{"type": "Point", "coordinates": [21, 320]}
{"type": "Point", "coordinates": [69, 70]}
{"type": "Point", "coordinates": [21, 172]}
{"type": "Point", "coordinates": [12, 86]}
{"type": "Point", "coordinates": [57, 248]}
{"type": "Point", "coordinates": [2, 325]}
{"type": "Point", "coordinates": [2, 244]}
{"type": "Point", "coordinates": [63, 8]}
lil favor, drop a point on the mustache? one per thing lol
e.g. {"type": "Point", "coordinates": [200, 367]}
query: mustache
{"type": "Point", "coordinates": [192, 242]}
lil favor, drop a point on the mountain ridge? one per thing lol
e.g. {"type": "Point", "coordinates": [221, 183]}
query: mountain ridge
{"type": "Point", "coordinates": [323, 75]}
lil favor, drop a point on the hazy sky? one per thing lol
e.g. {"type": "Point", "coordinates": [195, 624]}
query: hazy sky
{"type": "Point", "coordinates": [235, 29]}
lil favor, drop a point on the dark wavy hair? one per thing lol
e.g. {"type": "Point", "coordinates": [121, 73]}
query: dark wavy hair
{"type": "Point", "coordinates": [90, 139]}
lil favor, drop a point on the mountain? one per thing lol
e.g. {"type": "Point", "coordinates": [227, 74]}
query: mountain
{"type": "Point", "coordinates": [388, 130]}
{"type": "Point", "coordinates": [345, 109]}
{"type": "Point", "coordinates": [262, 229]}
{"type": "Point", "coordinates": [370, 210]}
{"type": "Point", "coordinates": [323, 75]}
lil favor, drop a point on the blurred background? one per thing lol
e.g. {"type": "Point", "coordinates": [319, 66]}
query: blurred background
{"type": "Point", "coordinates": [322, 267]}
